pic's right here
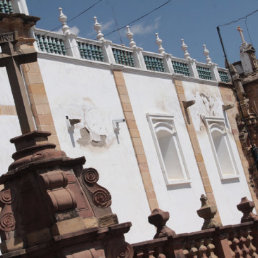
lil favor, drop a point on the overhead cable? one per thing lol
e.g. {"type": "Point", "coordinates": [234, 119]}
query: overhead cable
{"type": "Point", "coordinates": [139, 18]}
{"type": "Point", "coordinates": [239, 19]}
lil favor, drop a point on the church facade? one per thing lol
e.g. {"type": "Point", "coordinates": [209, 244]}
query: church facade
{"type": "Point", "coordinates": [160, 130]}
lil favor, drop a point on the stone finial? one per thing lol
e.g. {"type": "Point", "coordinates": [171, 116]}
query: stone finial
{"type": "Point", "coordinates": [159, 43]}
{"type": "Point", "coordinates": [63, 20]}
{"type": "Point", "coordinates": [207, 212]}
{"type": "Point", "coordinates": [97, 28]}
{"type": "Point", "coordinates": [246, 207]}
{"type": "Point", "coordinates": [129, 35]}
{"type": "Point", "coordinates": [159, 218]}
{"type": "Point", "coordinates": [206, 52]}
{"type": "Point", "coordinates": [244, 43]}
{"type": "Point", "coordinates": [185, 49]}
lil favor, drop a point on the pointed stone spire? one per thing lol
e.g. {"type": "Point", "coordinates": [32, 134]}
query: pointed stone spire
{"type": "Point", "coordinates": [206, 52]}
{"type": "Point", "coordinates": [159, 43]}
{"type": "Point", "coordinates": [129, 35]}
{"type": "Point", "coordinates": [97, 28]}
{"type": "Point", "coordinates": [185, 49]}
{"type": "Point", "coordinates": [244, 43]}
{"type": "Point", "coordinates": [63, 20]}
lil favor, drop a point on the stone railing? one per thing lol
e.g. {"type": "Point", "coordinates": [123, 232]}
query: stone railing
{"type": "Point", "coordinates": [13, 6]}
{"type": "Point", "coordinates": [231, 241]}
{"type": "Point", "coordinates": [90, 49]}
{"type": "Point", "coordinates": [6, 6]}
{"type": "Point", "coordinates": [49, 42]}
{"type": "Point", "coordinates": [239, 240]}
{"type": "Point", "coordinates": [107, 52]}
{"type": "Point", "coordinates": [224, 76]}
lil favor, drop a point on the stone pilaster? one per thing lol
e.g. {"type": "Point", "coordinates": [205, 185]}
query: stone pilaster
{"type": "Point", "coordinates": [39, 100]}
{"type": "Point", "coordinates": [196, 148]}
{"type": "Point", "coordinates": [136, 139]}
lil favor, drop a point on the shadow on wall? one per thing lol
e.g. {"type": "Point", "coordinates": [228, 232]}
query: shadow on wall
{"type": "Point", "coordinates": [179, 186]}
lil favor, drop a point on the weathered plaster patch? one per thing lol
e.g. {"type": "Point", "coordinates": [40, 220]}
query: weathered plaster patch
{"type": "Point", "coordinates": [208, 103]}
{"type": "Point", "coordinates": [95, 127]}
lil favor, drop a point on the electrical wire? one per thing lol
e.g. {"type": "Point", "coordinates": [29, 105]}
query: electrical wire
{"type": "Point", "coordinates": [139, 18]}
{"type": "Point", "coordinates": [239, 19]}
{"type": "Point", "coordinates": [247, 29]}
{"type": "Point", "coordinates": [116, 21]}
{"type": "Point", "coordinates": [84, 11]}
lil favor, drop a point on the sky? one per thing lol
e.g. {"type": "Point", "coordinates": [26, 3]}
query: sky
{"type": "Point", "coordinates": [193, 20]}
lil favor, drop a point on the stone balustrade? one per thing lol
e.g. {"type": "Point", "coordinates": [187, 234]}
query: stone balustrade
{"type": "Point", "coordinates": [6, 6]}
{"type": "Point", "coordinates": [239, 240]}
{"type": "Point", "coordinates": [52, 43]}
{"type": "Point", "coordinates": [107, 52]}
{"type": "Point", "coordinates": [13, 6]}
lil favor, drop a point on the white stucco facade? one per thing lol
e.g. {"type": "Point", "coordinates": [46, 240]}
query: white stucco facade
{"type": "Point", "coordinates": [227, 192]}
{"type": "Point", "coordinates": [152, 94]}
{"type": "Point", "coordinates": [9, 123]}
{"type": "Point", "coordinates": [88, 93]}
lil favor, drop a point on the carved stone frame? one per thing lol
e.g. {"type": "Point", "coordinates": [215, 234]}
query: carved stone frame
{"type": "Point", "coordinates": [168, 118]}
{"type": "Point", "coordinates": [209, 122]}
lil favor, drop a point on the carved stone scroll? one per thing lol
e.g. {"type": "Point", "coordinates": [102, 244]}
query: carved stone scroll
{"type": "Point", "coordinates": [7, 220]}
{"type": "Point", "coordinates": [100, 195]}
{"type": "Point", "coordinates": [60, 196]}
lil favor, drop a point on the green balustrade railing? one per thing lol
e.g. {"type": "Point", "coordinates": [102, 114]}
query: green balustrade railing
{"type": "Point", "coordinates": [50, 44]}
{"type": "Point", "coordinates": [181, 68]}
{"type": "Point", "coordinates": [224, 76]}
{"type": "Point", "coordinates": [123, 57]}
{"type": "Point", "coordinates": [6, 6]}
{"type": "Point", "coordinates": [154, 63]}
{"type": "Point", "coordinates": [90, 51]}
{"type": "Point", "coordinates": [204, 72]}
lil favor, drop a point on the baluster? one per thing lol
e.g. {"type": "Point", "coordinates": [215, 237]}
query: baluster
{"type": "Point", "coordinates": [159, 252]}
{"type": "Point", "coordinates": [45, 41]}
{"type": "Point", "coordinates": [50, 44]}
{"type": "Point", "coordinates": [202, 249]}
{"type": "Point", "coordinates": [251, 247]}
{"type": "Point", "coordinates": [235, 243]}
{"type": "Point", "coordinates": [6, 9]}
{"type": "Point", "coordinates": [63, 47]}
{"type": "Point", "coordinates": [54, 42]}
{"type": "Point", "coordinates": [10, 6]}
{"type": "Point", "coordinates": [140, 254]}
{"type": "Point", "coordinates": [151, 254]}
{"type": "Point", "coordinates": [243, 241]}
{"type": "Point", "coordinates": [230, 243]}
{"type": "Point", "coordinates": [193, 250]}
{"type": "Point", "coordinates": [58, 46]}
{"type": "Point", "coordinates": [41, 42]}
{"type": "Point", "coordinates": [211, 248]}
{"type": "Point", "coordinates": [1, 6]}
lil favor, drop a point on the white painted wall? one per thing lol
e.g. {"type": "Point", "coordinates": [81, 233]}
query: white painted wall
{"type": "Point", "coordinates": [90, 94]}
{"type": "Point", "coordinates": [9, 124]}
{"type": "Point", "coordinates": [227, 193]}
{"type": "Point", "coordinates": [156, 95]}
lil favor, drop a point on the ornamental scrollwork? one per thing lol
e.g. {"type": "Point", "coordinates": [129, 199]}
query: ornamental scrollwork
{"type": "Point", "coordinates": [100, 195]}
{"type": "Point", "coordinates": [7, 220]}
